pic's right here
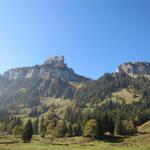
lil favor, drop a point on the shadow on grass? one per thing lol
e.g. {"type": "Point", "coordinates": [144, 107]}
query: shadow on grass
{"type": "Point", "coordinates": [60, 144]}
{"type": "Point", "coordinates": [9, 142]}
{"type": "Point", "coordinates": [112, 139]}
{"type": "Point", "coordinates": [143, 133]}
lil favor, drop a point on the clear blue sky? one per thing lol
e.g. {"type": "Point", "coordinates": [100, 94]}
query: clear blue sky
{"type": "Point", "coordinates": [95, 36]}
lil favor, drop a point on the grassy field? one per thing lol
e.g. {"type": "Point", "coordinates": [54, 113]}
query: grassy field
{"type": "Point", "coordinates": [124, 94]}
{"type": "Point", "coordinates": [145, 128]}
{"type": "Point", "coordinates": [138, 142]}
{"type": "Point", "coordinates": [141, 141]}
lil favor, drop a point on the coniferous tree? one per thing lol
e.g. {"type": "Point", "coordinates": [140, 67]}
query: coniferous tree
{"type": "Point", "coordinates": [77, 130]}
{"type": "Point", "coordinates": [36, 126]}
{"type": "Point", "coordinates": [69, 129]}
{"type": "Point", "coordinates": [118, 126]}
{"type": "Point", "coordinates": [61, 129]}
{"type": "Point", "coordinates": [27, 132]}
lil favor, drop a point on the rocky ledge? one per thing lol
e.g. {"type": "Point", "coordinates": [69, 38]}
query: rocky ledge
{"type": "Point", "coordinates": [54, 67]}
{"type": "Point", "coordinates": [136, 68]}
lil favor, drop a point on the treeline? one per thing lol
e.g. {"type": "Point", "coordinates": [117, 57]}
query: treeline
{"type": "Point", "coordinates": [113, 118]}
{"type": "Point", "coordinates": [102, 88]}
{"type": "Point", "coordinates": [85, 117]}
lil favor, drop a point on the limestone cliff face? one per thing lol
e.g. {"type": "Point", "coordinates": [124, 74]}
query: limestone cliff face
{"type": "Point", "coordinates": [135, 69]}
{"type": "Point", "coordinates": [56, 61]}
{"type": "Point", "coordinates": [51, 79]}
{"type": "Point", "coordinates": [54, 67]}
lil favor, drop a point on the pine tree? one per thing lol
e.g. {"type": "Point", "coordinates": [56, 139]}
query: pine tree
{"type": "Point", "coordinates": [118, 126]}
{"type": "Point", "coordinates": [36, 126]}
{"type": "Point", "coordinates": [27, 132]}
{"type": "Point", "coordinates": [77, 131]}
{"type": "Point", "coordinates": [69, 130]}
{"type": "Point", "coordinates": [41, 126]}
{"type": "Point", "coordinates": [61, 129]}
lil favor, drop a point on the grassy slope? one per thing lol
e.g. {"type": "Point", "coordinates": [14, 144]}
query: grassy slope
{"type": "Point", "coordinates": [60, 107]}
{"type": "Point", "coordinates": [138, 142]}
{"type": "Point", "coordinates": [123, 95]}
{"type": "Point", "coordinates": [145, 128]}
{"type": "Point", "coordinates": [61, 104]}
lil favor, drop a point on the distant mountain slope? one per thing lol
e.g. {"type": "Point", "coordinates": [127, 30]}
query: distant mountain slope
{"type": "Point", "coordinates": [102, 88]}
{"type": "Point", "coordinates": [55, 79]}
{"type": "Point", "coordinates": [135, 69]}
{"type": "Point", "coordinates": [133, 77]}
{"type": "Point", "coordinates": [28, 84]}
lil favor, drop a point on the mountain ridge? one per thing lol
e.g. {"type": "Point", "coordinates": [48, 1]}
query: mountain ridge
{"type": "Point", "coordinates": [134, 69]}
{"type": "Point", "coordinates": [55, 79]}
{"type": "Point", "coordinates": [51, 79]}
{"type": "Point", "coordinates": [53, 65]}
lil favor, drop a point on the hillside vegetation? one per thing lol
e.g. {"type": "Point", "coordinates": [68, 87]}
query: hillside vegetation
{"type": "Point", "coordinates": [145, 128]}
{"type": "Point", "coordinates": [53, 107]}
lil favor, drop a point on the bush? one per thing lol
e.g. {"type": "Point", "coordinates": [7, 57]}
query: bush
{"type": "Point", "coordinates": [128, 127]}
{"type": "Point", "coordinates": [91, 129]}
{"type": "Point", "coordinates": [18, 130]}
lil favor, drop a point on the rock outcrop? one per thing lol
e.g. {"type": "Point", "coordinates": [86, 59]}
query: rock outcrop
{"type": "Point", "coordinates": [57, 60]}
{"type": "Point", "coordinates": [135, 69]}
{"type": "Point", "coordinates": [51, 79]}
{"type": "Point", "coordinates": [54, 67]}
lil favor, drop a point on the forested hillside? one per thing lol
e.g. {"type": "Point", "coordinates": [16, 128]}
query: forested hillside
{"type": "Point", "coordinates": [71, 105]}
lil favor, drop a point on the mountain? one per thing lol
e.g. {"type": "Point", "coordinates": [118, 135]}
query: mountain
{"type": "Point", "coordinates": [135, 69]}
{"type": "Point", "coordinates": [130, 81]}
{"type": "Point", "coordinates": [52, 68]}
{"type": "Point", "coordinates": [28, 85]}
{"type": "Point", "coordinates": [51, 79]}
{"type": "Point", "coordinates": [55, 94]}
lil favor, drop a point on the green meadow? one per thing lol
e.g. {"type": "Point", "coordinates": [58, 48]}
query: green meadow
{"type": "Point", "coordinates": [138, 142]}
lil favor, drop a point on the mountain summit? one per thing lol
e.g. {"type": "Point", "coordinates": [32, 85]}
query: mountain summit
{"type": "Point", "coordinates": [134, 69]}
{"type": "Point", "coordinates": [53, 68]}
{"type": "Point", "coordinates": [57, 60]}
{"type": "Point", "coordinates": [51, 79]}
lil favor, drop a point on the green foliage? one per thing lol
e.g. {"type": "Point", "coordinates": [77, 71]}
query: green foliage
{"type": "Point", "coordinates": [144, 128]}
{"type": "Point", "coordinates": [17, 131]}
{"type": "Point", "coordinates": [91, 129]}
{"type": "Point", "coordinates": [69, 130]}
{"type": "Point", "coordinates": [143, 116]}
{"type": "Point", "coordinates": [3, 127]}
{"type": "Point", "coordinates": [102, 88]}
{"type": "Point", "coordinates": [88, 105]}
{"type": "Point", "coordinates": [76, 130]}
{"type": "Point", "coordinates": [36, 126]}
{"type": "Point", "coordinates": [34, 113]}
{"type": "Point", "coordinates": [61, 129]}
{"type": "Point", "coordinates": [128, 127]}
{"type": "Point", "coordinates": [11, 123]}
{"type": "Point", "coordinates": [118, 126]}
{"type": "Point", "coordinates": [51, 127]}
{"type": "Point", "coordinates": [27, 132]}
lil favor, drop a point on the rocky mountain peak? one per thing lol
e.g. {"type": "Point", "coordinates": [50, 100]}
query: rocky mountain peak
{"type": "Point", "coordinates": [51, 79]}
{"type": "Point", "coordinates": [54, 67]}
{"type": "Point", "coordinates": [135, 68]}
{"type": "Point", "coordinates": [57, 60]}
